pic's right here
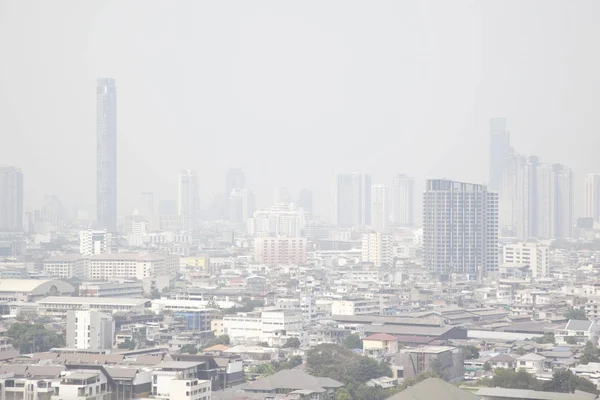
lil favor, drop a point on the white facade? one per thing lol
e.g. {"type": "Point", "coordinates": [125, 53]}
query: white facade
{"type": "Point", "coordinates": [65, 266]}
{"type": "Point", "coordinates": [81, 385]}
{"type": "Point", "coordinates": [89, 329]}
{"type": "Point", "coordinates": [188, 199]}
{"type": "Point", "coordinates": [356, 307]}
{"type": "Point", "coordinates": [460, 229]}
{"type": "Point", "coordinates": [592, 197]}
{"type": "Point", "coordinates": [403, 197]}
{"type": "Point", "coordinates": [106, 267]}
{"type": "Point", "coordinates": [279, 220]}
{"type": "Point", "coordinates": [535, 255]}
{"type": "Point", "coordinates": [260, 327]}
{"type": "Point", "coordinates": [380, 207]}
{"type": "Point", "coordinates": [561, 202]}
{"type": "Point", "coordinates": [352, 199]}
{"type": "Point", "coordinates": [59, 305]}
{"type": "Point", "coordinates": [377, 248]}
{"type": "Point", "coordinates": [92, 242]}
{"type": "Point", "coordinates": [280, 250]}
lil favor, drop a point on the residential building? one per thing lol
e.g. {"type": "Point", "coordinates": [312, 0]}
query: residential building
{"type": "Point", "coordinates": [57, 305]}
{"type": "Point", "coordinates": [279, 220]}
{"type": "Point", "coordinates": [377, 248]}
{"type": "Point", "coordinates": [380, 208]}
{"type": "Point", "coordinates": [352, 199]}
{"type": "Point", "coordinates": [280, 250]}
{"type": "Point", "coordinates": [379, 345]}
{"type": "Point", "coordinates": [294, 382]}
{"type": "Point", "coordinates": [180, 380]}
{"type": "Point", "coordinates": [82, 384]}
{"type": "Point", "coordinates": [532, 254]}
{"type": "Point", "coordinates": [356, 306]}
{"type": "Point", "coordinates": [592, 197]}
{"type": "Point", "coordinates": [93, 242]}
{"type": "Point", "coordinates": [189, 205]}
{"type": "Point", "coordinates": [171, 223]}
{"type": "Point", "coordinates": [447, 361]}
{"type": "Point", "coordinates": [499, 152]}
{"type": "Point", "coordinates": [67, 266]}
{"type": "Point", "coordinates": [578, 332]}
{"type": "Point", "coordinates": [90, 329]}
{"type": "Point", "coordinates": [106, 267]}
{"type": "Point", "coordinates": [11, 199]}
{"type": "Point", "coordinates": [255, 327]}
{"type": "Point", "coordinates": [128, 289]}
{"type": "Point", "coordinates": [531, 362]}
{"type": "Point", "coordinates": [460, 229]}
{"type": "Point", "coordinates": [106, 154]}
{"type": "Point", "coordinates": [403, 196]}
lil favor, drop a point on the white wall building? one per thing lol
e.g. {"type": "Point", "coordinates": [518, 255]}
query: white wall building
{"type": "Point", "coordinates": [90, 329]}
{"type": "Point", "coordinates": [279, 220]}
{"type": "Point", "coordinates": [535, 255]}
{"type": "Point", "coordinates": [189, 202]}
{"type": "Point", "coordinates": [380, 207]}
{"type": "Point", "coordinates": [592, 197]}
{"type": "Point", "coordinates": [377, 248]}
{"type": "Point", "coordinates": [93, 242]}
{"type": "Point", "coordinates": [356, 307]}
{"type": "Point", "coordinates": [106, 267]}
{"type": "Point", "coordinates": [179, 380]}
{"type": "Point", "coordinates": [280, 250]}
{"type": "Point", "coordinates": [352, 199]}
{"type": "Point", "coordinates": [65, 266]}
{"type": "Point", "coordinates": [403, 197]}
{"type": "Point", "coordinates": [261, 326]}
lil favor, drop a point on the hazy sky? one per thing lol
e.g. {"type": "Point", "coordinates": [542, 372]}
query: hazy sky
{"type": "Point", "coordinates": [293, 91]}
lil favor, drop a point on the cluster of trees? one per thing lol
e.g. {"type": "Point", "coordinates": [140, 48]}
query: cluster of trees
{"type": "Point", "coordinates": [292, 343]}
{"type": "Point", "coordinates": [548, 337]}
{"type": "Point", "coordinates": [127, 344]}
{"type": "Point", "coordinates": [590, 354]}
{"type": "Point", "coordinates": [261, 370]}
{"type": "Point", "coordinates": [247, 305]}
{"type": "Point", "coordinates": [563, 381]}
{"type": "Point", "coordinates": [353, 342]}
{"type": "Point", "coordinates": [28, 337]}
{"type": "Point", "coordinates": [470, 352]}
{"type": "Point", "coordinates": [576, 313]}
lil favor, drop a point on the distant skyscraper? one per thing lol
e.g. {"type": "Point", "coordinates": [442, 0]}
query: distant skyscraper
{"type": "Point", "coordinates": [460, 228]}
{"type": "Point", "coordinates": [380, 207]}
{"type": "Point", "coordinates": [146, 204]}
{"type": "Point", "coordinates": [11, 199]}
{"type": "Point", "coordinates": [235, 179]}
{"type": "Point", "coordinates": [403, 200]}
{"type": "Point", "coordinates": [352, 199]}
{"type": "Point", "coordinates": [281, 195]}
{"type": "Point", "coordinates": [305, 200]}
{"type": "Point", "coordinates": [106, 154]}
{"type": "Point", "coordinates": [592, 197]}
{"type": "Point", "coordinates": [499, 152]}
{"type": "Point", "coordinates": [167, 207]}
{"type": "Point", "coordinates": [241, 205]}
{"type": "Point", "coordinates": [188, 199]}
{"type": "Point", "coordinates": [561, 202]}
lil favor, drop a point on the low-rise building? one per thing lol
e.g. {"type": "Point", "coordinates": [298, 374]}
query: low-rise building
{"type": "Point", "coordinates": [578, 332]}
{"type": "Point", "coordinates": [54, 305]}
{"type": "Point", "coordinates": [127, 289]}
{"type": "Point", "coordinates": [66, 266]}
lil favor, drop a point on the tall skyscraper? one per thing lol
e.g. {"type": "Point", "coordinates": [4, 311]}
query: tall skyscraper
{"type": "Point", "coordinates": [188, 199]}
{"type": "Point", "coordinates": [234, 179]}
{"type": "Point", "coordinates": [11, 199]}
{"type": "Point", "coordinates": [281, 195]}
{"type": "Point", "coordinates": [460, 229]}
{"type": "Point", "coordinates": [380, 208]}
{"type": "Point", "coordinates": [242, 204]}
{"type": "Point", "coordinates": [352, 199]}
{"type": "Point", "coordinates": [561, 202]}
{"type": "Point", "coordinates": [592, 197]}
{"type": "Point", "coordinates": [305, 200]}
{"type": "Point", "coordinates": [403, 200]}
{"type": "Point", "coordinates": [499, 152]}
{"type": "Point", "coordinates": [106, 154]}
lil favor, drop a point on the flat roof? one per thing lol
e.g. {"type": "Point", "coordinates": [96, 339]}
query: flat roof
{"type": "Point", "coordinates": [127, 257]}
{"type": "Point", "coordinates": [93, 300]}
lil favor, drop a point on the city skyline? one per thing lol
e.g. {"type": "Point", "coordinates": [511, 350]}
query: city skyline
{"type": "Point", "coordinates": [106, 154]}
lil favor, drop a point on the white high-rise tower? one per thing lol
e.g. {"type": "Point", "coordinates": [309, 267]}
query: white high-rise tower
{"type": "Point", "coordinates": [592, 197]}
{"type": "Point", "coordinates": [380, 207]}
{"type": "Point", "coordinates": [403, 200]}
{"type": "Point", "coordinates": [188, 199]}
{"type": "Point", "coordinates": [352, 199]}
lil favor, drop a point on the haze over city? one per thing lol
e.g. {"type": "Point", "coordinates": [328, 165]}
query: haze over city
{"type": "Point", "coordinates": [292, 93]}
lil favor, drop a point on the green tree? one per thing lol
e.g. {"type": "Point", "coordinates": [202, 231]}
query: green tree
{"type": "Point", "coordinates": [565, 381]}
{"type": "Point", "coordinates": [223, 339]}
{"type": "Point", "coordinates": [509, 379]}
{"type": "Point", "coordinates": [30, 337]}
{"type": "Point", "coordinates": [548, 337]}
{"type": "Point", "coordinates": [521, 351]}
{"type": "Point", "coordinates": [470, 352]}
{"type": "Point", "coordinates": [590, 354]}
{"type": "Point", "coordinates": [262, 370]}
{"type": "Point", "coordinates": [127, 344]}
{"type": "Point", "coordinates": [154, 294]}
{"type": "Point", "coordinates": [576, 313]}
{"type": "Point", "coordinates": [343, 393]}
{"type": "Point", "coordinates": [212, 304]}
{"type": "Point", "coordinates": [487, 366]}
{"type": "Point", "coordinates": [292, 343]}
{"type": "Point", "coordinates": [571, 340]}
{"type": "Point", "coordinates": [353, 342]}
{"type": "Point", "coordinates": [189, 349]}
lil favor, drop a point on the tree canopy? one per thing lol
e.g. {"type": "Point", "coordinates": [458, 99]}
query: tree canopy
{"type": "Point", "coordinates": [189, 349]}
{"type": "Point", "coordinates": [590, 354]}
{"type": "Point", "coordinates": [353, 342]}
{"type": "Point", "coordinates": [292, 343]}
{"type": "Point", "coordinates": [576, 313]}
{"type": "Point", "coordinates": [470, 352]}
{"type": "Point", "coordinates": [33, 337]}
{"type": "Point", "coordinates": [223, 339]}
{"type": "Point", "coordinates": [563, 381]}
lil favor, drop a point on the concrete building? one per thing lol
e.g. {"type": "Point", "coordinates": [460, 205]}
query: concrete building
{"type": "Point", "coordinates": [29, 290]}
{"type": "Point", "coordinates": [534, 255]}
{"type": "Point", "coordinates": [281, 195]}
{"type": "Point", "coordinates": [356, 306]}
{"type": "Point", "coordinates": [106, 154]}
{"type": "Point", "coordinates": [189, 201]}
{"type": "Point", "coordinates": [561, 202]}
{"type": "Point", "coordinates": [377, 248]}
{"type": "Point", "coordinates": [234, 179]}
{"type": "Point", "coordinates": [460, 229]}
{"type": "Point", "coordinates": [107, 267]}
{"type": "Point", "coordinates": [93, 242]}
{"type": "Point", "coordinates": [66, 266]}
{"type": "Point", "coordinates": [279, 220]}
{"type": "Point", "coordinates": [82, 384]}
{"type": "Point", "coordinates": [500, 150]}
{"type": "Point", "coordinates": [592, 197]}
{"type": "Point", "coordinates": [171, 223]}
{"type": "Point", "coordinates": [305, 200]}
{"type": "Point", "coordinates": [255, 327]}
{"type": "Point", "coordinates": [56, 305]}
{"type": "Point", "coordinates": [11, 199]}
{"type": "Point", "coordinates": [403, 197]}
{"type": "Point", "coordinates": [90, 329]}
{"type": "Point", "coordinates": [242, 204]}
{"type": "Point", "coordinates": [280, 250]}
{"type": "Point", "coordinates": [380, 208]}
{"type": "Point", "coordinates": [446, 361]}
{"type": "Point", "coordinates": [379, 345]}
{"type": "Point", "coordinates": [132, 289]}
{"type": "Point", "coordinates": [352, 199]}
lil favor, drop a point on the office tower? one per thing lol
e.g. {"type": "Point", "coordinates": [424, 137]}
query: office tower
{"type": "Point", "coordinates": [561, 202]}
{"type": "Point", "coordinates": [352, 199]}
{"type": "Point", "coordinates": [592, 197]}
{"type": "Point", "coordinates": [167, 207]}
{"type": "Point", "coordinates": [234, 179]}
{"type": "Point", "coordinates": [242, 204]}
{"type": "Point", "coordinates": [499, 152]}
{"type": "Point", "coordinates": [305, 200]}
{"type": "Point", "coordinates": [92, 242]}
{"type": "Point", "coordinates": [106, 154]}
{"type": "Point", "coordinates": [89, 330]}
{"type": "Point", "coordinates": [403, 200]}
{"type": "Point", "coordinates": [460, 229]}
{"type": "Point", "coordinates": [11, 199]}
{"type": "Point", "coordinates": [377, 248]}
{"type": "Point", "coordinates": [188, 199]}
{"type": "Point", "coordinates": [281, 195]}
{"type": "Point", "coordinates": [380, 207]}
